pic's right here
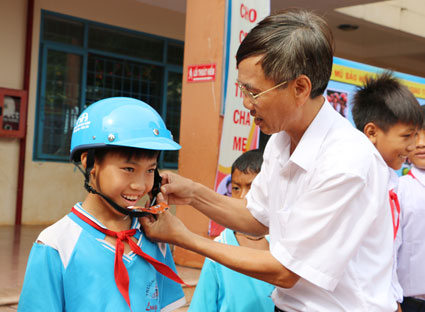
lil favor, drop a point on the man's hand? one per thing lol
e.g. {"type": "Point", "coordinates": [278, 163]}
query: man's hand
{"type": "Point", "coordinates": [163, 227]}
{"type": "Point", "coordinates": [176, 189]}
{"type": "Point", "coordinates": [227, 211]}
{"type": "Point", "coordinates": [166, 228]}
{"type": "Point", "coordinates": [256, 263]}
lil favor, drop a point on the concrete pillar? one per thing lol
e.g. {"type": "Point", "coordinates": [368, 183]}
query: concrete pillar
{"type": "Point", "coordinates": [201, 123]}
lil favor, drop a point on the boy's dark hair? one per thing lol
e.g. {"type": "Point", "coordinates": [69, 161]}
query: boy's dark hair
{"type": "Point", "coordinates": [293, 42]}
{"type": "Point", "coordinates": [249, 162]}
{"type": "Point", "coordinates": [384, 101]}
{"type": "Point", "coordinates": [125, 152]}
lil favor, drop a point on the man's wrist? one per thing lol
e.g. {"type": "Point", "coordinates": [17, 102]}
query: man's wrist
{"type": "Point", "coordinates": [196, 190]}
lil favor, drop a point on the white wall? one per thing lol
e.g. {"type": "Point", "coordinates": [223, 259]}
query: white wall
{"type": "Point", "coordinates": [12, 15]}
{"type": "Point", "coordinates": [404, 15]}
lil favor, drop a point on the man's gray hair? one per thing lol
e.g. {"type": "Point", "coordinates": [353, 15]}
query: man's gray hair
{"type": "Point", "coordinates": [293, 42]}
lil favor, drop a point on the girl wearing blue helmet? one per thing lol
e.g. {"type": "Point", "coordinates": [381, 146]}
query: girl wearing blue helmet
{"type": "Point", "coordinates": [97, 258]}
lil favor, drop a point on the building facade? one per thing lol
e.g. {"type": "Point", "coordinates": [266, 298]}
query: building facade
{"type": "Point", "coordinates": [64, 55]}
{"type": "Point", "coordinates": [76, 53]}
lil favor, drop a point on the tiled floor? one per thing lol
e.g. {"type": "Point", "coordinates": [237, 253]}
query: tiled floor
{"type": "Point", "coordinates": [15, 245]}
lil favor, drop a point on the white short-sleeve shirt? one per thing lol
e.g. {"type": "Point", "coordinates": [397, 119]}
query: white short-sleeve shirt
{"type": "Point", "coordinates": [328, 214]}
{"type": "Point", "coordinates": [411, 254]}
{"type": "Point", "coordinates": [395, 284]}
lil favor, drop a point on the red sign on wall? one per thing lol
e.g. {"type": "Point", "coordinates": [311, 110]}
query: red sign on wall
{"type": "Point", "coordinates": [200, 73]}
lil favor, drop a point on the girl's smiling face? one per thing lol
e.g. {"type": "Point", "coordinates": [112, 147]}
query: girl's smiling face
{"type": "Point", "coordinates": [123, 179]}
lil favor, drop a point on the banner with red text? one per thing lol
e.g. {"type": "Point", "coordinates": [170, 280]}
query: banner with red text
{"type": "Point", "coordinates": [239, 131]}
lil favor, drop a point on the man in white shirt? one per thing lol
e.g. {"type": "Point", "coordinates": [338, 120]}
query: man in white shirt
{"type": "Point", "coordinates": [321, 192]}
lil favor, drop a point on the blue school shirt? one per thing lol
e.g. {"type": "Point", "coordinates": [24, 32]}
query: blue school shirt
{"type": "Point", "coordinates": [73, 270]}
{"type": "Point", "coordinates": [221, 289]}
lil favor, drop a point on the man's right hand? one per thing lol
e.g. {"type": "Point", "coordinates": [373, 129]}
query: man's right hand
{"type": "Point", "coordinates": [176, 189]}
{"type": "Point", "coordinates": [227, 211]}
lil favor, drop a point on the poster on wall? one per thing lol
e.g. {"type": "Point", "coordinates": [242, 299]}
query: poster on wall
{"type": "Point", "coordinates": [348, 75]}
{"type": "Point", "coordinates": [239, 130]}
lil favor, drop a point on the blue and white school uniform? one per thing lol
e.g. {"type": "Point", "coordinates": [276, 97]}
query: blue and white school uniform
{"type": "Point", "coordinates": [71, 268]}
{"type": "Point", "coordinates": [221, 289]}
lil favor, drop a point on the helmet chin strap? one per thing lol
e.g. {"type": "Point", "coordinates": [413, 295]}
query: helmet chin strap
{"type": "Point", "coordinates": [90, 189]}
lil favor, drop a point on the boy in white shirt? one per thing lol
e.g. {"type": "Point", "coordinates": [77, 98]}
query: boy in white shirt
{"type": "Point", "coordinates": [389, 115]}
{"type": "Point", "coordinates": [410, 241]}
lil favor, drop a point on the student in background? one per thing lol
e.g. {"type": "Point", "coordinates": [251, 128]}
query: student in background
{"type": "Point", "coordinates": [219, 288]}
{"type": "Point", "coordinates": [411, 251]}
{"type": "Point", "coordinates": [389, 115]}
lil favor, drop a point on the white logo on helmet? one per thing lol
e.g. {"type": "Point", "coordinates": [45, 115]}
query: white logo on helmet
{"type": "Point", "coordinates": [83, 122]}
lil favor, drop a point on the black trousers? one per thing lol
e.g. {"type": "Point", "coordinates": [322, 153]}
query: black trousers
{"type": "Point", "coordinates": [276, 309]}
{"type": "Point", "coordinates": [411, 304]}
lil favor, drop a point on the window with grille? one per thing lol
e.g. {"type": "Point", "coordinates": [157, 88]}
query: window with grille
{"type": "Point", "coordinates": [82, 62]}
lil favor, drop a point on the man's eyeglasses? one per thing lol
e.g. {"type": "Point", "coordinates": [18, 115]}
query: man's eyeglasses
{"type": "Point", "coordinates": [253, 97]}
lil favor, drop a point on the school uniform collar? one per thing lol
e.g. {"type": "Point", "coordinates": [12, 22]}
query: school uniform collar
{"type": "Point", "coordinates": [122, 279]}
{"type": "Point", "coordinates": [419, 175]}
{"type": "Point", "coordinates": [393, 180]}
{"type": "Point", "coordinates": [307, 150]}
{"type": "Point", "coordinates": [229, 237]}
{"type": "Point", "coordinates": [135, 224]}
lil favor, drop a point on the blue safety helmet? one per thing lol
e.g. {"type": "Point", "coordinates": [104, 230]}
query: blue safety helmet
{"type": "Point", "coordinates": [120, 121]}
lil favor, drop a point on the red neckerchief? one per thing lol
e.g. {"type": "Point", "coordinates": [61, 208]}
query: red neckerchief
{"type": "Point", "coordinates": [120, 271]}
{"type": "Point", "coordinates": [395, 207]}
{"type": "Point", "coordinates": [411, 174]}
